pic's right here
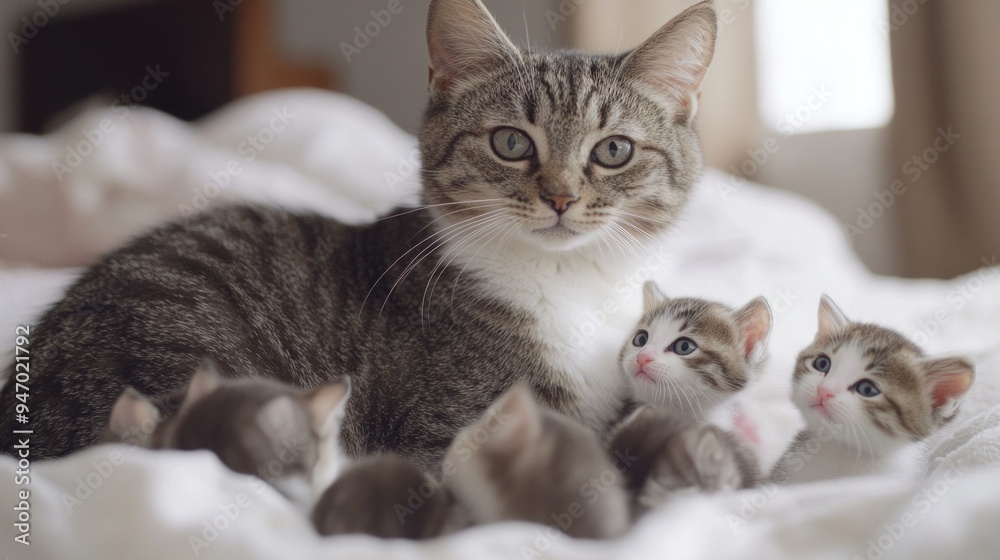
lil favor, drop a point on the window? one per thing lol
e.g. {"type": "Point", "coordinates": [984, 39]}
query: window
{"type": "Point", "coordinates": [824, 64]}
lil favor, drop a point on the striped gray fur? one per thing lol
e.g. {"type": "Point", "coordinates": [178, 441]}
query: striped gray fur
{"type": "Point", "coordinates": [660, 455]}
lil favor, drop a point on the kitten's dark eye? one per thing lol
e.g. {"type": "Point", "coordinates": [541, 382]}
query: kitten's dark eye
{"type": "Point", "coordinates": [640, 339]}
{"type": "Point", "coordinates": [867, 388]}
{"type": "Point", "coordinates": [612, 152]}
{"type": "Point", "coordinates": [822, 364]}
{"type": "Point", "coordinates": [512, 145]}
{"type": "Point", "coordinates": [683, 346]}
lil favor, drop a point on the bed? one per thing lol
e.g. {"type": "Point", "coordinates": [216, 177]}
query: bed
{"type": "Point", "coordinates": [737, 240]}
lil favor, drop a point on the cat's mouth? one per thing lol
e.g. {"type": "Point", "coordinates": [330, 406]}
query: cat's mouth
{"type": "Point", "coordinates": [558, 231]}
{"type": "Point", "coordinates": [641, 373]}
{"type": "Point", "coordinates": [822, 410]}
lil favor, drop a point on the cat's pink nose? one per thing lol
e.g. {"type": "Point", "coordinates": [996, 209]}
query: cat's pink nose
{"type": "Point", "coordinates": [643, 359]}
{"type": "Point", "coordinates": [823, 394]}
{"type": "Point", "coordinates": [559, 203]}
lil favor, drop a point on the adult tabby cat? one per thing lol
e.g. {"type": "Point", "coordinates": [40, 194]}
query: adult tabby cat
{"type": "Point", "coordinates": [543, 172]}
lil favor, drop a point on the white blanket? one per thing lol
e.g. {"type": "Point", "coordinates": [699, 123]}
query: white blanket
{"type": "Point", "coordinates": [335, 155]}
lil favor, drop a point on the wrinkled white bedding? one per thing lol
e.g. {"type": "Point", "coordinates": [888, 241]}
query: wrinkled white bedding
{"type": "Point", "coordinates": [337, 156]}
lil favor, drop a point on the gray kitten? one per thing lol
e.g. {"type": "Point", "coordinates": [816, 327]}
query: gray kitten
{"type": "Point", "coordinates": [535, 166]}
{"type": "Point", "coordinates": [285, 436]}
{"type": "Point", "coordinates": [867, 393]}
{"type": "Point", "coordinates": [523, 463]}
{"type": "Point", "coordinates": [387, 497]}
{"type": "Point", "coordinates": [666, 455]}
{"type": "Point", "coordinates": [691, 356]}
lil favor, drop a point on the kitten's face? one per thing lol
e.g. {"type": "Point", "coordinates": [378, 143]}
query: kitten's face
{"type": "Point", "coordinates": [691, 355]}
{"type": "Point", "coordinates": [255, 427]}
{"type": "Point", "coordinates": [871, 388]}
{"type": "Point", "coordinates": [560, 150]}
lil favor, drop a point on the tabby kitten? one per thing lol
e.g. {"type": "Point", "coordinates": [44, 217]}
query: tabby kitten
{"type": "Point", "coordinates": [666, 455]}
{"type": "Point", "coordinates": [542, 173]}
{"type": "Point", "coordinates": [520, 462]}
{"type": "Point", "coordinates": [283, 435]}
{"type": "Point", "coordinates": [691, 356]}
{"type": "Point", "coordinates": [867, 393]}
{"type": "Point", "coordinates": [387, 497]}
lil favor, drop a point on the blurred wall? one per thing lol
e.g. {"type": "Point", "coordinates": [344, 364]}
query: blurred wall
{"type": "Point", "coordinates": [389, 70]}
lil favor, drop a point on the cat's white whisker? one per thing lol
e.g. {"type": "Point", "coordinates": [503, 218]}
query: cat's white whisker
{"type": "Point", "coordinates": [495, 223]}
{"type": "Point", "coordinates": [511, 226]}
{"type": "Point", "coordinates": [444, 236]}
{"type": "Point", "coordinates": [429, 239]}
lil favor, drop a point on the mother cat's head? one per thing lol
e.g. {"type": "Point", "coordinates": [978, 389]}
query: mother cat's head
{"type": "Point", "coordinates": [560, 150]}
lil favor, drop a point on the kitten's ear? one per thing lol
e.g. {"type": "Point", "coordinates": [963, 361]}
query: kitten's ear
{"type": "Point", "coordinates": [652, 297]}
{"type": "Point", "coordinates": [203, 382]}
{"type": "Point", "coordinates": [327, 405]}
{"type": "Point", "coordinates": [950, 379]}
{"type": "Point", "coordinates": [520, 420]}
{"type": "Point", "coordinates": [463, 39]}
{"type": "Point", "coordinates": [831, 318]}
{"type": "Point", "coordinates": [753, 321]}
{"type": "Point", "coordinates": [675, 59]}
{"type": "Point", "coordinates": [133, 418]}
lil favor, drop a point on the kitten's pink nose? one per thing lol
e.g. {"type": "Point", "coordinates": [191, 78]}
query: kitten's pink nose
{"type": "Point", "coordinates": [823, 394]}
{"type": "Point", "coordinates": [643, 359]}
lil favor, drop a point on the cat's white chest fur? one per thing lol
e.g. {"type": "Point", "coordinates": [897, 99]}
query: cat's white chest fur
{"type": "Point", "coordinates": [585, 308]}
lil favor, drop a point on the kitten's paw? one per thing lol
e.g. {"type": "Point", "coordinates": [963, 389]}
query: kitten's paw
{"type": "Point", "coordinates": [703, 457]}
{"type": "Point", "coordinates": [714, 455]}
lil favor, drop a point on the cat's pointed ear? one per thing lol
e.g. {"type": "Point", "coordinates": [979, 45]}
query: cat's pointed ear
{"type": "Point", "coordinates": [675, 59]}
{"type": "Point", "coordinates": [949, 380]}
{"type": "Point", "coordinates": [327, 405]}
{"type": "Point", "coordinates": [519, 420]}
{"type": "Point", "coordinates": [831, 318]}
{"type": "Point", "coordinates": [205, 380]}
{"type": "Point", "coordinates": [133, 419]}
{"type": "Point", "coordinates": [652, 297]}
{"type": "Point", "coordinates": [753, 321]}
{"type": "Point", "coordinates": [463, 39]}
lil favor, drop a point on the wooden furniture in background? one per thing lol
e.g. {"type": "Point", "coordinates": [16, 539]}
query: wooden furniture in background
{"type": "Point", "coordinates": [208, 59]}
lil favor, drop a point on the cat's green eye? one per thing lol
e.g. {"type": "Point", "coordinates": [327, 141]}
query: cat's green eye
{"type": "Point", "coordinates": [683, 346]}
{"type": "Point", "coordinates": [640, 339]}
{"type": "Point", "coordinates": [822, 364]}
{"type": "Point", "coordinates": [867, 388]}
{"type": "Point", "coordinates": [512, 144]}
{"type": "Point", "coordinates": [612, 152]}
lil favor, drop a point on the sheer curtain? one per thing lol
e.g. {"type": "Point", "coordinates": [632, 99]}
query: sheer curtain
{"type": "Point", "coordinates": [946, 135]}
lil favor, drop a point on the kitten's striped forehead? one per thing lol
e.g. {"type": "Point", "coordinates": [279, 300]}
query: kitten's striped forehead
{"type": "Point", "coordinates": [886, 353]}
{"type": "Point", "coordinates": [707, 319]}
